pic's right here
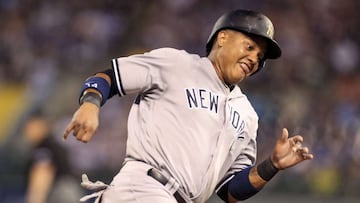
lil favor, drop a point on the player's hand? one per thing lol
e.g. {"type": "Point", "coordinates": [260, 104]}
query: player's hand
{"type": "Point", "coordinates": [289, 151]}
{"type": "Point", "coordinates": [84, 123]}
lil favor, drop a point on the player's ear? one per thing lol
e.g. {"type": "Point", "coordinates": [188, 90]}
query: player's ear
{"type": "Point", "coordinates": [221, 38]}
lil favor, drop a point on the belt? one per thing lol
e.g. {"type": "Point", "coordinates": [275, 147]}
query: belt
{"type": "Point", "coordinates": [157, 175]}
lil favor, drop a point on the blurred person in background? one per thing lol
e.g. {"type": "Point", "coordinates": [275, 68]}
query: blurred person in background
{"type": "Point", "coordinates": [49, 175]}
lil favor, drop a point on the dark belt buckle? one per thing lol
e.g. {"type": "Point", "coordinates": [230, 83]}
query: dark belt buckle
{"type": "Point", "coordinates": [157, 175]}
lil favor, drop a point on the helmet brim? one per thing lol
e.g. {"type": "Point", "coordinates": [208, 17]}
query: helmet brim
{"type": "Point", "coordinates": [273, 50]}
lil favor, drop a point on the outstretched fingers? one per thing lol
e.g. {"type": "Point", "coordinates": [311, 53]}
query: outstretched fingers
{"type": "Point", "coordinates": [86, 136]}
{"type": "Point", "coordinates": [297, 139]}
{"type": "Point", "coordinates": [284, 135]}
{"type": "Point", "coordinates": [308, 156]}
{"type": "Point", "coordinates": [289, 151]}
{"type": "Point", "coordinates": [70, 127]}
{"type": "Point", "coordinates": [296, 143]}
{"type": "Point", "coordinates": [304, 152]}
{"type": "Point", "coordinates": [82, 132]}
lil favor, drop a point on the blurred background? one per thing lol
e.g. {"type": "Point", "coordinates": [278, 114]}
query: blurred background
{"type": "Point", "coordinates": [47, 49]}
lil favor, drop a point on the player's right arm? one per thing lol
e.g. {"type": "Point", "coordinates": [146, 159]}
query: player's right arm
{"type": "Point", "coordinates": [129, 75]}
{"type": "Point", "coordinates": [85, 120]}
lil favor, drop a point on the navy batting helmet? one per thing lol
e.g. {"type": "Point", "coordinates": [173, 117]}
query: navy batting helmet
{"type": "Point", "coordinates": [250, 22]}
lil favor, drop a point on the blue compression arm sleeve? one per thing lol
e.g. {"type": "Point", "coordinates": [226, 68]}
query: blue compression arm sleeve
{"type": "Point", "coordinates": [113, 89]}
{"type": "Point", "coordinates": [239, 187]}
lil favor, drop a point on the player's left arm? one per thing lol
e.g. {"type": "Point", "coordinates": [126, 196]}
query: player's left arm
{"type": "Point", "coordinates": [286, 153]}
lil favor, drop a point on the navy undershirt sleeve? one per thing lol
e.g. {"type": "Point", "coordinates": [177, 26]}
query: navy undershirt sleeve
{"type": "Point", "coordinates": [239, 187]}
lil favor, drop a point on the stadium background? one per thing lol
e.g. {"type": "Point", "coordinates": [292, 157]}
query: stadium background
{"type": "Point", "coordinates": [47, 48]}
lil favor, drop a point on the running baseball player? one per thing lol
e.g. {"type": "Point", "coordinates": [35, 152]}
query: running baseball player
{"type": "Point", "coordinates": [191, 130]}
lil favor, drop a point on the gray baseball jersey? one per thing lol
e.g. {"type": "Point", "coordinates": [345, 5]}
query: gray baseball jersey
{"type": "Point", "coordinates": [186, 121]}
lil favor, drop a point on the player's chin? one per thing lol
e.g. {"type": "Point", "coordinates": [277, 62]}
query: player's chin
{"type": "Point", "coordinates": [241, 76]}
{"type": "Point", "coordinates": [238, 79]}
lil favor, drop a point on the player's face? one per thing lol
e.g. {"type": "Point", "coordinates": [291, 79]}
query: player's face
{"type": "Point", "coordinates": [238, 55]}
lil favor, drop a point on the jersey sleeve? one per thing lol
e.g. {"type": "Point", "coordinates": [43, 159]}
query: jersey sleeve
{"type": "Point", "coordinates": [248, 154]}
{"type": "Point", "coordinates": [141, 72]}
{"type": "Point", "coordinates": [246, 159]}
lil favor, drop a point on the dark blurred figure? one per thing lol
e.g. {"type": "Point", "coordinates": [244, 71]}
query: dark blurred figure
{"type": "Point", "coordinates": [49, 174]}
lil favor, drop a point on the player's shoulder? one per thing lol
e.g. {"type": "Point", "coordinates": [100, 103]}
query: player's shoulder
{"type": "Point", "coordinates": [168, 50]}
{"type": "Point", "coordinates": [177, 60]}
{"type": "Point", "coordinates": [172, 52]}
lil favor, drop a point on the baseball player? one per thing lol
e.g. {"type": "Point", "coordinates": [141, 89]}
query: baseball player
{"type": "Point", "coordinates": [191, 130]}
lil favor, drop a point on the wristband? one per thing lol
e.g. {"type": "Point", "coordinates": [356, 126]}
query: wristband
{"type": "Point", "coordinates": [91, 97]}
{"type": "Point", "coordinates": [98, 83]}
{"type": "Point", "coordinates": [266, 169]}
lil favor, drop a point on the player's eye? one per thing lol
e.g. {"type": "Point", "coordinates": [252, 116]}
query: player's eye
{"type": "Point", "coordinates": [249, 47]}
